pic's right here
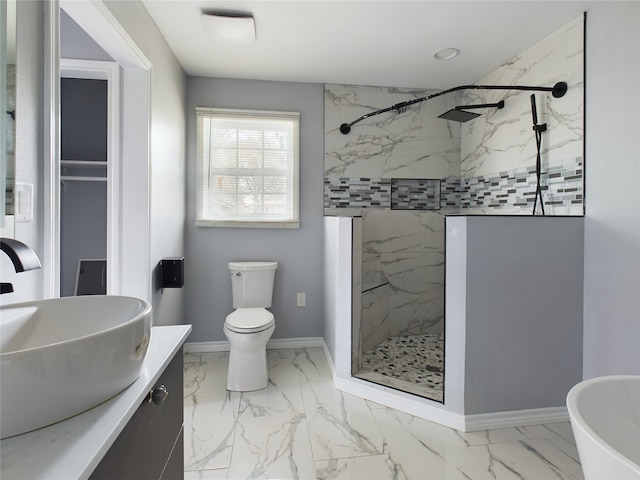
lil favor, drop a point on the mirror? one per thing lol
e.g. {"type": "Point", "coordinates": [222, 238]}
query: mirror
{"type": "Point", "coordinates": [8, 105]}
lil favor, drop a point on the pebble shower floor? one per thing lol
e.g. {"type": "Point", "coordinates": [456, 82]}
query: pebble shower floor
{"type": "Point", "coordinates": [414, 364]}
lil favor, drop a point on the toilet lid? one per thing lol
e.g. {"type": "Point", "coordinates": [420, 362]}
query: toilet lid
{"type": "Point", "coordinates": [249, 319]}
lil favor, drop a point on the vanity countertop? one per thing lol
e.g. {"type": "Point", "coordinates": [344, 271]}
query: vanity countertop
{"type": "Point", "coordinates": [72, 449]}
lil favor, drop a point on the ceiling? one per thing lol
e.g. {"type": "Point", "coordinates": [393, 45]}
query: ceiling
{"type": "Point", "coordinates": [365, 42]}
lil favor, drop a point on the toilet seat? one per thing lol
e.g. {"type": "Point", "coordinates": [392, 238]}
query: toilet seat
{"type": "Point", "coordinates": [249, 320]}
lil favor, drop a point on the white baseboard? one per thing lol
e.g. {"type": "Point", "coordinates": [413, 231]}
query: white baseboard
{"type": "Point", "coordinates": [435, 412]}
{"type": "Point", "coordinates": [301, 342]}
{"type": "Point", "coordinates": [223, 346]}
{"type": "Point", "coordinates": [518, 418]}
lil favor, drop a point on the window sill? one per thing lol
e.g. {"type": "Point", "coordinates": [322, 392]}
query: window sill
{"type": "Point", "coordinates": [239, 224]}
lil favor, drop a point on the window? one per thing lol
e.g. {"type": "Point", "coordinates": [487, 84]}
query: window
{"type": "Point", "coordinates": [247, 168]}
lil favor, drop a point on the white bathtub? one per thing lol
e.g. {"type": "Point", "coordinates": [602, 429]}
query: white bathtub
{"type": "Point", "coordinates": [605, 417]}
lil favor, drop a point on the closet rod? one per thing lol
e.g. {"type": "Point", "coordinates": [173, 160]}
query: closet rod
{"type": "Point", "coordinates": [83, 179]}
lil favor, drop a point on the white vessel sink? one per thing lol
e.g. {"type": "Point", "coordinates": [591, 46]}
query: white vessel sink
{"type": "Point", "coordinates": [63, 356]}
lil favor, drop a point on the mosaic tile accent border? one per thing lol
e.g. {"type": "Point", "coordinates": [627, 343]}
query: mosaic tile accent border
{"type": "Point", "coordinates": [561, 185]}
{"type": "Point", "coordinates": [415, 194]}
{"type": "Point", "coordinates": [450, 192]}
{"type": "Point", "coordinates": [346, 192]}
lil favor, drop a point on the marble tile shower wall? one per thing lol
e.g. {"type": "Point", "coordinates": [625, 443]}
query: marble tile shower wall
{"type": "Point", "coordinates": [402, 273]}
{"type": "Point", "coordinates": [501, 145]}
{"type": "Point", "coordinates": [395, 160]}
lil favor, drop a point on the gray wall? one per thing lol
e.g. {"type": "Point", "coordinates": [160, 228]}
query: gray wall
{"type": "Point", "coordinates": [612, 166]}
{"type": "Point", "coordinates": [523, 312]}
{"type": "Point", "coordinates": [299, 252]}
{"type": "Point", "coordinates": [168, 164]}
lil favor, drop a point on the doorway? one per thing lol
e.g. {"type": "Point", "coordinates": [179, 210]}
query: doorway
{"type": "Point", "coordinates": [127, 257]}
{"type": "Point", "coordinates": [88, 170]}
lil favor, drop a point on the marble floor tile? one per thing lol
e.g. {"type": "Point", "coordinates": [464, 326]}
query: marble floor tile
{"type": "Point", "coordinates": [274, 400]}
{"type": "Point", "coordinates": [210, 417]}
{"type": "Point", "coordinates": [374, 467]}
{"type": "Point", "coordinates": [301, 427]}
{"type": "Point", "coordinates": [499, 435]}
{"type": "Point", "coordinates": [205, 369]}
{"type": "Point", "coordinates": [559, 434]}
{"type": "Point", "coordinates": [340, 424]}
{"type": "Point", "coordinates": [217, 474]}
{"type": "Point", "coordinates": [312, 365]}
{"type": "Point", "coordinates": [529, 459]}
{"type": "Point", "coordinates": [563, 429]}
{"type": "Point", "coordinates": [421, 446]}
{"type": "Point", "coordinates": [275, 446]}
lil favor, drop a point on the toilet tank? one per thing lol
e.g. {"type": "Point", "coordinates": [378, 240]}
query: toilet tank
{"type": "Point", "coordinates": [252, 283]}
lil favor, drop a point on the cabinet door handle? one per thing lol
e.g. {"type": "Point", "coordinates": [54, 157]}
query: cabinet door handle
{"type": "Point", "coordinates": [158, 395]}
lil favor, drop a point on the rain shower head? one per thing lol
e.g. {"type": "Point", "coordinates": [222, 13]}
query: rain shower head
{"type": "Point", "coordinates": [460, 114]}
{"type": "Point", "coordinates": [456, 115]}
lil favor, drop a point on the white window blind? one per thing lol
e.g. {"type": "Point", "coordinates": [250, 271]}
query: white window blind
{"type": "Point", "coordinates": [247, 168]}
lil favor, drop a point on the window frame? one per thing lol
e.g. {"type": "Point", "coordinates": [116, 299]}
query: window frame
{"type": "Point", "coordinates": [293, 172]}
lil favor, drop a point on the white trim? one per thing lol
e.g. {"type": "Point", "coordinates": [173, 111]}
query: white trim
{"type": "Point", "coordinates": [434, 412]}
{"type": "Point", "coordinates": [519, 418]}
{"type": "Point", "coordinates": [109, 71]}
{"type": "Point", "coordinates": [277, 343]}
{"type": "Point", "coordinates": [210, 197]}
{"type": "Point", "coordinates": [96, 19]}
{"type": "Point", "coordinates": [51, 236]}
{"type": "Point", "coordinates": [134, 131]}
{"type": "Point", "coordinates": [206, 347]}
{"type": "Point", "coordinates": [301, 342]}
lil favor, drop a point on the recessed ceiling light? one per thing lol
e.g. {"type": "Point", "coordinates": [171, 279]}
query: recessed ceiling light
{"type": "Point", "coordinates": [230, 27]}
{"type": "Point", "coordinates": [446, 53]}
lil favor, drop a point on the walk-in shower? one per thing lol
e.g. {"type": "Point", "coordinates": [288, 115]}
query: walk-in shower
{"type": "Point", "coordinates": [398, 317]}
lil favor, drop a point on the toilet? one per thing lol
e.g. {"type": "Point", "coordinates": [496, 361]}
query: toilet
{"type": "Point", "coordinates": [251, 325]}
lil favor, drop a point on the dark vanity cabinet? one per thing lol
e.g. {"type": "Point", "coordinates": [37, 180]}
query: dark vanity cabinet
{"type": "Point", "coordinates": [151, 444]}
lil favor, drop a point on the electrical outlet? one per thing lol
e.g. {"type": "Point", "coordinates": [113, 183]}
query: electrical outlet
{"type": "Point", "coordinates": [302, 299]}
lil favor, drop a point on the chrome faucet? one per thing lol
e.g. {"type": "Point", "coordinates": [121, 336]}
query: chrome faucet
{"type": "Point", "coordinates": [22, 257]}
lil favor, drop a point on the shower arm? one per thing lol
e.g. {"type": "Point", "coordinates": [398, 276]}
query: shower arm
{"type": "Point", "coordinates": [497, 105]}
{"type": "Point", "coordinates": [558, 90]}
